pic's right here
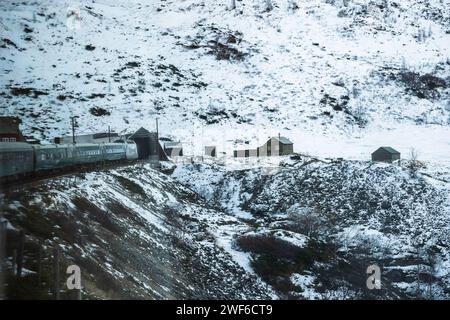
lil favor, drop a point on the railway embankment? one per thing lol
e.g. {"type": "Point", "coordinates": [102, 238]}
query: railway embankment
{"type": "Point", "coordinates": [133, 231]}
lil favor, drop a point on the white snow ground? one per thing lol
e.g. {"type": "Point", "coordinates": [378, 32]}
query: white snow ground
{"type": "Point", "coordinates": [151, 59]}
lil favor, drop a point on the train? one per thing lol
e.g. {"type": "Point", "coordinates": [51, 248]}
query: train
{"type": "Point", "coordinates": [21, 159]}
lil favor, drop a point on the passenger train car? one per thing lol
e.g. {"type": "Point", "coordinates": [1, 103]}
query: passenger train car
{"type": "Point", "coordinates": [20, 159]}
{"type": "Point", "coordinates": [16, 158]}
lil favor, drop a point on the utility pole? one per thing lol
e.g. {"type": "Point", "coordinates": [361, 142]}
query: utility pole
{"type": "Point", "coordinates": [3, 230]}
{"type": "Point", "coordinates": [109, 134]}
{"type": "Point", "coordinates": [74, 125]}
{"type": "Point", "coordinates": [20, 253]}
{"type": "Point", "coordinates": [40, 264]}
{"type": "Point", "coordinates": [279, 144]}
{"type": "Point", "coordinates": [157, 139]}
{"type": "Point", "coordinates": [56, 257]}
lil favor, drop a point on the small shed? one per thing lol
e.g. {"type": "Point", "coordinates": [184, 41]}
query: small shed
{"type": "Point", "coordinates": [210, 151]}
{"type": "Point", "coordinates": [173, 149]}
{"type": "Point", "coordinates": [245, 153]}
{"type": "Point", "coordinates": [9, 130]}
{"type": "Point", "coordinates": [239, 153]}
{"type": "Point", "coordinates": [385, 154]}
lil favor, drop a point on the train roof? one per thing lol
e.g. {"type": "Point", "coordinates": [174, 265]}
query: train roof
{"type": "Point", "coordinates": [123, 141]}
{"type": "Point", "coordinates": [15, 146]}
{"type": "Point", "coordinates": [85, 144]}
{"type": "Point", "coordinates": [113, 143]}
{"type": "Point", "coordinates": [51, 146]}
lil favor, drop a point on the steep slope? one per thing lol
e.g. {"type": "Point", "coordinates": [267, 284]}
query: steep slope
{"type": "Point", "coordinates": [134, 232]}
{"type": "Point", "coordinates": [358, 71]}
{"type": "Point", "coordinates": [317, 225]}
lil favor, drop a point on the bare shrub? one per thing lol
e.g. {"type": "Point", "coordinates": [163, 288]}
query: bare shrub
{"type": "Point", "coordinates": [414, 164]}
{"type": "Point", "coordinates": [264, 244]}
{"type": "Point", "coordinates": [269, 5]}
{"type": "Point", "coordinates": [360, 115]}
{"type": "Point", "coordinates": [304, 220]}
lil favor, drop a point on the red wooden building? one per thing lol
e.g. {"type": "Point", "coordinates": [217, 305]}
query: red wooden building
{"type": "Point", "coordinates": [9, 130]}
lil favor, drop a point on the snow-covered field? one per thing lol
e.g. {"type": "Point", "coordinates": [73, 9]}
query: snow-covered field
{"type": "Point", "coordinates": [326, 74]}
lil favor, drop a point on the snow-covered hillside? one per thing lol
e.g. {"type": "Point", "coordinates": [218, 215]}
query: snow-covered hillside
{"type": "Point", "coordinates": [343, 216]}
{"type": "Point", "coordinates": [350, 74]}
{"type": "Point", "coordinates": [134, 232]}
{"type": "Point", "coordinates": [306, 230]}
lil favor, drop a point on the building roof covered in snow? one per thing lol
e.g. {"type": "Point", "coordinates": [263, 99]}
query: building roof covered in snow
{"type": "Point", "coordinates": [389, 150]}
{"type": "Point", "coordinates": [283, 140]}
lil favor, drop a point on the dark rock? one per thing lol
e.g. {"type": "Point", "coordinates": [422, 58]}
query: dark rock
{"type": "Point", "coordinates": [99, 112]}
{"type": "Point", "coordinates": [7, 42]}
{"type": "Point", "coordinates": [133, 64]}
{"type": "Point", "coordinates": [96, 95]}
{"type": "Point", "coordinates": [423, 86]}
{"type": "Point", "coordinates": [18, 91]}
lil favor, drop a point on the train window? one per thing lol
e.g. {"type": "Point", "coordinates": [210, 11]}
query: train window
{"type": "Point", "coordinates": [114, 149]}
{"type": "Point", "coordinates": [89, 152]}
{"type": "Point", "coordinates": [14, 156]}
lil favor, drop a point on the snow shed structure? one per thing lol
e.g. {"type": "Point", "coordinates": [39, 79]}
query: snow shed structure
{"type": "Point", "coordinates": [385, 154]}
{"type": "Point", "coordinates": [148, 146]}
{"type": "Point", "coordinates": [210, 151]}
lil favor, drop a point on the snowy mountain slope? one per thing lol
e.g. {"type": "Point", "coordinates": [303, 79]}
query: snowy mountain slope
{"type": "Point", "coordinates": [346, 216]}
{"type": "Point", "coordinates": [349, 73]}
{"type": "Point", "coordinates": [134, 232]}
{"type": "Point", "coordinates": [306, 230]}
